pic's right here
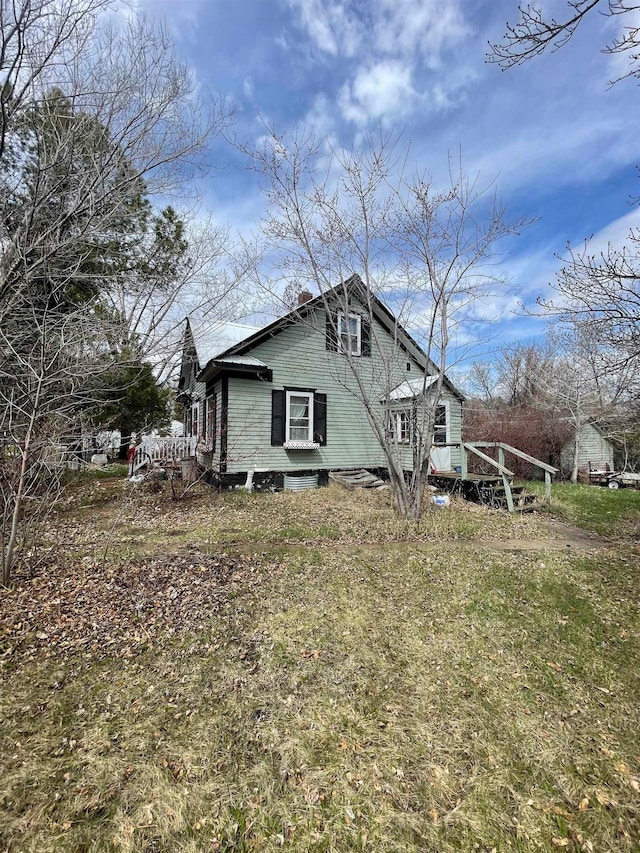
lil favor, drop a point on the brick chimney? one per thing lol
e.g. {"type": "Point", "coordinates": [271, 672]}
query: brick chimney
{"type": "Point", "coordinates": [304, 296]}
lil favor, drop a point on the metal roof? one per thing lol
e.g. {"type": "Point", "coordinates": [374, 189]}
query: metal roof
{"type": "Point", "coordinates": [213, 340]}
{"type": "Point", "coordinates": [410, 388]}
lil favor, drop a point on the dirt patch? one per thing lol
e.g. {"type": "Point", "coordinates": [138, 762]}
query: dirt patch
{"type": "Point", "coordinates": [575, 537]}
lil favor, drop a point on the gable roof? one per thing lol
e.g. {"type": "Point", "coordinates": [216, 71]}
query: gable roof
{"type": "Point", "coordinates": [354, 286]}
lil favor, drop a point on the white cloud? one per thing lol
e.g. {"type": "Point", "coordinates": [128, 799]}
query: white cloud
{"type": "Point", "coordinates": [424, 27]}
{"type": "Point", "coordinates": [616, 233]}
{"type": "Point", "coordinates": [621, 28]}
{"type": "Point", "coordinates": [400, 40]}
{"type": "Point", "coordinates": [248, 88]}
{"type": "Point", "coordinates": [382, 92]}
{"type": "Point", "coordinates": [333, 27]}
{"type": "Point", "coordinates": [572, 152]}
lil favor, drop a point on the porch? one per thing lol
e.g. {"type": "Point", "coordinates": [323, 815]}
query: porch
{"type": "Point", "coordinates": [495, 486]}
{"type": "Point", "coordinates": [169, 450]}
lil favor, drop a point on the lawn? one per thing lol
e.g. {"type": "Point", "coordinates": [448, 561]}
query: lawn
{"type": "Point", "coordinates": [609, 513]}
{"type": "Point", "coordinates": [305, 672]}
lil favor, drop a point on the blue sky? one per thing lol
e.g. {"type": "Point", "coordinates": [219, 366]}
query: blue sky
{"type": "Point", "coordinates": [562, 144]}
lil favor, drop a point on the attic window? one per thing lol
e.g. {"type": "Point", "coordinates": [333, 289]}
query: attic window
{"type": "Point", "coordinates": [350, 333]}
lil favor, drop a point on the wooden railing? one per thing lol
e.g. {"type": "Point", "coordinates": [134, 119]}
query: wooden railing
{"type": "Point", "coordinates": [466, 447]}
{"type": "Point", "coordinates": [474, 446]}
{"type": "Point", "coordinates": [164, 449]}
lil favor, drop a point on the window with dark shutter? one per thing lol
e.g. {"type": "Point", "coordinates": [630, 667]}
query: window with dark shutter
{"type": "Point", "coordinates": [320, 419]}
{"type": "Point", "coordinates": [277, 418]}
{"type": "Point", "coordinates": [211, 422]}
{"type": "Point", "coordinates": [365, 337]}
{"type": "Point", "coordinates": [331, 333]}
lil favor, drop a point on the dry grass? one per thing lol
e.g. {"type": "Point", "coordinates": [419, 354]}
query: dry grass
{"type": "Point", "coordinates": [112, 519]}
{"type": "Point", "coordinates": [441, 698]}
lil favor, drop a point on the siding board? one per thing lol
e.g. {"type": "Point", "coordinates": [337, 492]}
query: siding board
{"type": "Point", "coordinates": [298, 358]}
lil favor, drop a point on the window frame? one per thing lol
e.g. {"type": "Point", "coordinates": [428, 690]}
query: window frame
{"type": "Point", "coordinates": [343, 318]}
{"type": "Point", "coordinates": [397, 430]}
{"type": "Point", "coordinates": [195, 419]}
{"type": "Point", "coordinates": [287, 416]}
{"type": "Point", "coordinates": [210, 421]}
{"type": "Point", "coordinates": [441, 431]}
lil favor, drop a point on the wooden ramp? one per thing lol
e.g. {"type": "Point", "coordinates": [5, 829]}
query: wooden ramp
{"type": "Point", "coordinates": [357, 479]}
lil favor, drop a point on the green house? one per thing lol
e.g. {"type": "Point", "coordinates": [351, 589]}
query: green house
{"type": "Point", "coordinates": [290, 397]}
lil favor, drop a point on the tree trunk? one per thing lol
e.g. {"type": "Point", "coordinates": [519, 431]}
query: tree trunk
{"type": "Point", "coordinates": [576, 458]}
{"type": "Point", "coordinates": [125, 442]}
{"type": "Point", "coordinates": [8, 552]}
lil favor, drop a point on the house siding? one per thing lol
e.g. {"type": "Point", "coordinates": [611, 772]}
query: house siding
{"type": "Point", "coordinates": [593, 447]}
{"type": "Point", "coordinates": [298, 358]}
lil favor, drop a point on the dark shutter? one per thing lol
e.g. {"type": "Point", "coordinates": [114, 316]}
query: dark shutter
{"type": "Point", "coordinates": [331, 338]}
{"type": "Point", "coordinates": [320, 418]}
{"type": "Point", "coordinates": [365, 336]}
{"type": "Point", "coordinates": [277, 418]}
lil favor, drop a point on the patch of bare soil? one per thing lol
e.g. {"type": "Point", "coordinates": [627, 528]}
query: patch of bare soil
{"type": "Point", "coordinates": [101, 610]}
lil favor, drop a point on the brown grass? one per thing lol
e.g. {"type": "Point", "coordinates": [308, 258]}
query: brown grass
{"type": "Point", "coordinates": [361, 698]}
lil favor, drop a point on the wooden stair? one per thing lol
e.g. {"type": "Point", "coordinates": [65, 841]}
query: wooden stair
{"type": "Point", "coordinates": [492, 493]}
{"type": "Point", "coordinates": [486, 490]}
{"type": "Point", "coordinates": [357, 479]}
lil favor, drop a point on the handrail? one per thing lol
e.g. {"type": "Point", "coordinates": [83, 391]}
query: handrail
{"type": "Point", "coordinates": [501, 468]}
{"type": "Point", "coordinates": [548, 469]}
{"type": "Point", "coordinates": [516, 452]}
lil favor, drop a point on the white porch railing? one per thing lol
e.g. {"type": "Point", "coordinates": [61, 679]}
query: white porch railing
{"type": "Point", "coordinates": [164, 449]}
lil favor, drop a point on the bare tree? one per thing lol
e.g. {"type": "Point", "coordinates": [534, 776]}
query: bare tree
{"type": "Point", "coordinates": [521, 372]}
{"type": "Point", "coordinates": [574, 389]}
{"type": "Point", "coordinates": [600, 289]}
{"type": "Point", "coordinates": [337, 216]}
{"type": "Point", "coordinates": [98, 115]}
{"type": "Point", "coordinates": [536, 32]}
{"type": "Point", "coordinates": [602, 292]}
{"type": "Point", "coordinates": [44, 381]}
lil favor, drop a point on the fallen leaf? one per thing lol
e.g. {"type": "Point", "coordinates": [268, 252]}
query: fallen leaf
{"type": "Point", "coordinates": [560, 842]}
{"type": "Point", "coordinates": [433, 814]}
{"type": "Point", "coordinates": [584, 804]}
{"type": "Point", "coordinates": [602, 798]}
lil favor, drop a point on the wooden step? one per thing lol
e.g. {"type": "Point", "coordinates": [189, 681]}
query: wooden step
{"type": "Point", "coordinates": [357, 479]}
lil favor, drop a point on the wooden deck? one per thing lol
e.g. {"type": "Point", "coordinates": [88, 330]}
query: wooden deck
{"type": "Point", "coordinates": [487, 489]}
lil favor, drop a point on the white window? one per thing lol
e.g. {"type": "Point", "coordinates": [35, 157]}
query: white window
{"type": "Point", "coordinates": [299, 417]}
{"type": "Point", "coordinates": [400, 426]}
{"type": "Point", "coordinates": [210, 422]}
{"type": "Point", "coordinates": [350, 333]}
{"type": "Point", "coordinates": [195, 419]}
{"type": "Point", "coordinates": [440, 426]}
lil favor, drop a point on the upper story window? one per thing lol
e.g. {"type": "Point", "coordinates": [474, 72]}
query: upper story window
{"type": "Point", "coordinates": [299, 416]}
{"type": "Point", "coordinates": [350, 333]}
